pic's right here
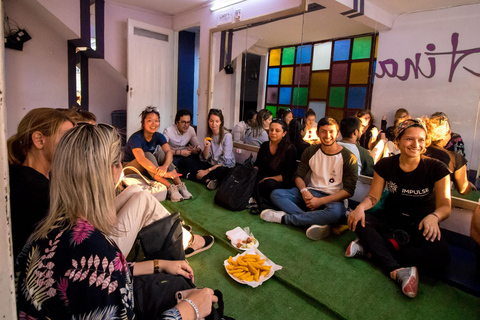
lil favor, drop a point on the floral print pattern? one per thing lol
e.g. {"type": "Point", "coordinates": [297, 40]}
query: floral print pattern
{"type": "Point", "coordinates": [76, 273]}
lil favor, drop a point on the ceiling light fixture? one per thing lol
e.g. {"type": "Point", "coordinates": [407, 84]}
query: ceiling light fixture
{"type": "Point", "coordinates": [219, 4]}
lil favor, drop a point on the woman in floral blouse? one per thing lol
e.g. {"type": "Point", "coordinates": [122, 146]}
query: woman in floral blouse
{"type": "Point", "coordinates": [70, 268]}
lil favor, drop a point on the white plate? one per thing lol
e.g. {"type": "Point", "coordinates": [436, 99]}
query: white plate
{"type": "Point", "coordinates": [238, 234]}
{"type": "Point", "coordinates": [268, 262]}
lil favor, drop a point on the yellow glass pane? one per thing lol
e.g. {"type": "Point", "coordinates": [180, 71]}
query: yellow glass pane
{"type": "Point", "coordinates": [359, 72]}
{"type": "Point", "coordinates": [287, 76]}
{"type": "Point", "coordinates": [275, 57]}
{"type": "Point", "coordinates": [319, 85]}
{"type": "Point", "coordinates": [336, 114]}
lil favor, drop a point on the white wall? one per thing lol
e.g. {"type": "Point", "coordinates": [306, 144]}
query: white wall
{"type": "Point", "coordinates": [37, 76]}
{"type": "Point", "coordinates": [410, 34]}
{"type": "Point", "coordinates": [116, 16]}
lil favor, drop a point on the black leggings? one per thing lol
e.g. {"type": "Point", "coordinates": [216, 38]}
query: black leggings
{"type": "Point", "coordinates": [426, 255]}
{"type": "Point", "coordinates": [191, 166]}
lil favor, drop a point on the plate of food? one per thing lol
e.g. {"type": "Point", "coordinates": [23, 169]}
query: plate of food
{"type": "Point", "coordinates": [251, 267]}
{"type": "Point", "coordinates": [242, 239]}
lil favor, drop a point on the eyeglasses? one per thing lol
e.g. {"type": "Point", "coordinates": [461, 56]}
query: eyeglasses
{"type": "Point", "coordinates": [152, 109]}
{"type": "Point", "coordinates": [185, 122]}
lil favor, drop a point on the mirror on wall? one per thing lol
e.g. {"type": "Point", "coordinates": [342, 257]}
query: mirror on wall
{"type": "Point", "coordinates": [253, 47]}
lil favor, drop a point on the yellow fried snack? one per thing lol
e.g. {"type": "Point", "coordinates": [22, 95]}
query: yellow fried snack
{"type": "Point", "coordinates": [208, 139]}
{"type": "Point", "coordinates": [248, 267]}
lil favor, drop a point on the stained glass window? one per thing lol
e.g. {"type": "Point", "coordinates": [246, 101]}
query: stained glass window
{"type": "Point", "coordinates": [332, 77]}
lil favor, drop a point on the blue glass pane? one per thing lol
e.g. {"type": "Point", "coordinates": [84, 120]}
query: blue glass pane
{"type": "Point", "coordinates": [299, 113]}
{"type": "Point", "coordinates": [374, 69]}
{"type": "Point", "coordinates": [304, 54]}
{"type": "Point", "coordinates": [273, 75]}
{"type": "Point", "coordinates": [285, 95]}
{"type": "Point", "coordinates": [319, 108]}
{"type": "Point", "coordinates": [356, 98]}
{"type": "Point", "coordinates": [341, 50]}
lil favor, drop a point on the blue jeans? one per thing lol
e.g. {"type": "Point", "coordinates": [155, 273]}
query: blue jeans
{"type": "Point", "coordinates": [291, 201]}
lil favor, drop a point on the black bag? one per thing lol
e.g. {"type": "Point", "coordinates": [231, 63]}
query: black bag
{"type": "Point", "coordinates": [155, 293]}
{"type": "Point", "coordinates": [237, 187]}
{"type": "Point", "coordinates": [163, 239]}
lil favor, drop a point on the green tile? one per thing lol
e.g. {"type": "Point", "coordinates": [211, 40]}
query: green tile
{"type": "Point", "coordinates": [288, 56]}
{"type": "Point", "coordinates": [362, 48]}
{"type": "Point", "coordinates": [300, 96]}
{"type": "Point", "coordinates": [337, 97]}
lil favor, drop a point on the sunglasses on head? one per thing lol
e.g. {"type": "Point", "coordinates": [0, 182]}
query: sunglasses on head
{"type": "Point", "coordinates": [151, 109]}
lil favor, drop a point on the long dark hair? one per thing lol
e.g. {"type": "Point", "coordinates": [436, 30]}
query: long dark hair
{"type": "Point", "coordinates": [221, 133]}
{"type": "Point", "coordinates": [283, 145]}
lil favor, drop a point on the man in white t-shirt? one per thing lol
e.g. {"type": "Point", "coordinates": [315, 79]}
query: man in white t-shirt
{"type": "Point", "coordinates": [182, 138]}
{"type": "Point", "coordinates": [318, 201]}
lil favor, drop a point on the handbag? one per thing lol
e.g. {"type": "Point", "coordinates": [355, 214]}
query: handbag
{"type": "Point", "coordinates": [162, 239]}
{"type": "Point", "coordinates": [236, 189]}
{"type": "Point", "coordinates": [157, 189]}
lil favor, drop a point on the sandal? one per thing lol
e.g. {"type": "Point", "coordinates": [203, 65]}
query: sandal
{"type": "Point", "coordinates": [209, 240]}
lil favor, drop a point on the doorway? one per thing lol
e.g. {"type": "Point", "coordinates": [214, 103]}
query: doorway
{"type": "Point", "coordinates": [250, 83]}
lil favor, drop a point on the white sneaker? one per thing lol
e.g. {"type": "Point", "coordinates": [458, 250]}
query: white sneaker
{"type": "Point", "coordinates": [184, 192]}
{"type": "Point", "coordinates": [212, 184]}
{"type": "Point", "coordinates": [354, 249]}
{"type": "Point", "coordinates": [270, 215]}
{"type": "Point", "coordinates": [319, 232]}
{"type": "Point", "coordinates": [173, 194]}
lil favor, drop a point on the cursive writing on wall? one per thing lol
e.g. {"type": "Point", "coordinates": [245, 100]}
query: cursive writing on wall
{"type": "Point", "coordinates": [389, 67]}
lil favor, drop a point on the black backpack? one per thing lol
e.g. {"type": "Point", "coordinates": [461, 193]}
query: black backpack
{"type": "Point", "coordinates": [237, 187]}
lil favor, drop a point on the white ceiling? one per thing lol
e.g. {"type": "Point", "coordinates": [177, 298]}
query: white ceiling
{"type": "Point", "coordinates": [175, 7]}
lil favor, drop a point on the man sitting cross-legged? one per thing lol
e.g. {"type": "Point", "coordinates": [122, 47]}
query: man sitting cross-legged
{"type": "Point", "coordinates": [334, 173]}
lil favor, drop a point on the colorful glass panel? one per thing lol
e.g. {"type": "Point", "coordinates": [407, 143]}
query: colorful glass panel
{"type": "Point", "coordinates": [285, 96]}
{"type": "Point", "coordinates": [339, 73]}
{"type": "Point", "coordinates": [298, 112]}
{"type": "Point", "coordinates": [273, 75]}
{"type": "Point", "coordinates": [275, 57]}
{"type": "Point", "coordinates": [286, 76]}
{"type": "Point", "coordinates": [337, 97]}
{"type": "Point", "coordinates": [272, 94]}
{"type": "Point", "coordinates": [362, 48]}
{"type": "Point", "coordinates": [356, 97]}
{"type": "Point", "coordinates": [336, 114]}
{"type": "Point", "coordinates": [300, 96]}
{"type": "Point", "coordinates": [304, 54]}
{"type": "Point", "coordinates": [359, 72]}
{"type": "Point", "coordinates": [341, 50]}
{"type": "Point", "coordinates": [302, 75]}
{"type": "Point", "coordinates": [319, 85]}
{"type": "Point", "coordinates": [288, 56]}
{"type": "Point", "coordinates": [273, 110]}
{"type": "Point", "coordinates": [319, 108]}
{"type": "Point", "coordinates": [322, 54]}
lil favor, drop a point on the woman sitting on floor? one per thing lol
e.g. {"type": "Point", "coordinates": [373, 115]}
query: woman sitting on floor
{"type": "Point", "coordinates": [406, 233]}
{"type": "Point", "coordinates": [257, 133]}
{"type": "Point", "coordinates": [65, 283]}
{"type": "Point", "coordinates": [275, 162]}
{"type": "Point", "coordinates": [439, 131]}
{"type": "Point", "coordinates": [148, 151]}
{"type": "Point", "coordinates": [217, 157]}
{"type": "Point", "coordinates": [30, 153]}
{"type": "Point", "coordinates": [294, 132]}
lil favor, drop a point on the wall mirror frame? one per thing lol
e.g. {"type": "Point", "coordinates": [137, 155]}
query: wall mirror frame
{"type": "Point", "coordinates": [466, 202]}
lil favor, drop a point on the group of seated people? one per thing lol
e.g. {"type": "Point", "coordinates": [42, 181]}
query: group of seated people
{"type": "Point", "coordinates": [70, 169]}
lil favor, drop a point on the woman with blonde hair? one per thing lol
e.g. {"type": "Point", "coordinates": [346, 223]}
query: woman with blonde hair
{"type": "Point", "coordinates": [30, 153]}
{"type": "Point", "coordinates": [70, 267]}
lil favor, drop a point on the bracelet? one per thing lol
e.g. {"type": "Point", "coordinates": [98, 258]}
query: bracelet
{"type": "Point", "coordinates": [303, 190]}
{"type": "Point", "coordinates": [436, 216]}
{"type": "Point", "coordinates": [156, 266]}
{"type": "Point", "coordinates": [194, 307]}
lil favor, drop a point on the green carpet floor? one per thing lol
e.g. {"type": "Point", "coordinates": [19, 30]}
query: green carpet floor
{"type": "Point", "coordinates": [316, 282]}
